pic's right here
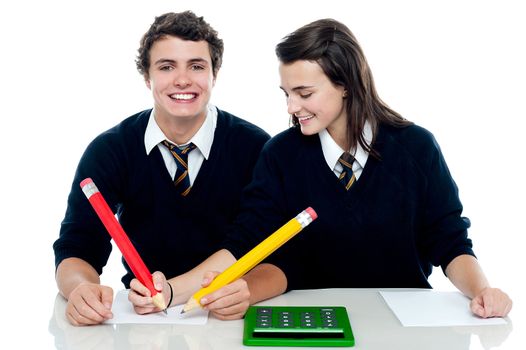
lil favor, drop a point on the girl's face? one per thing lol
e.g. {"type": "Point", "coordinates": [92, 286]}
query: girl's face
{"type": "Point", "coordinates": [314, 99]}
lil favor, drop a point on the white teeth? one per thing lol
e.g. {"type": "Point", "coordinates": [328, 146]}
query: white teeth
{"type": "Point", "coordinates": [304, 118]}
{"type": "Point", "coordinates": [182, 96]}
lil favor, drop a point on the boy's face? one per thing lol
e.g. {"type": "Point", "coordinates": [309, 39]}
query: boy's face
{"type": "Point", "coordinates": [181, 79]}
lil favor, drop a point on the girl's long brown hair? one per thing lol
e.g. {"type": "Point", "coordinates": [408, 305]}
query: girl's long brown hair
{"type": "Point", "coordinates": [333, 46]}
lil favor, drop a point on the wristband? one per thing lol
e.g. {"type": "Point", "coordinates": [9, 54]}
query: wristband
{"type": "Point", "coordinates": [171, 294]}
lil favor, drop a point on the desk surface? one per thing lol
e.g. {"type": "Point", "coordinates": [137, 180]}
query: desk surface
{"type": "Point", "coordinates": [373, 323]}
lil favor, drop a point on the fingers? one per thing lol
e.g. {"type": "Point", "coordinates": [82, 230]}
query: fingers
{"type": "Point", "coordinates": [107, 297]}
{"type": "Point", "coordinates": [234, 312]}
{"type": "Point", "coordinates": [140, 296]}
{"type": "Point", "coordinates": [230, 302]}
{"type": "Point", "coordinates": [208, 278]}
{"type": "Point", "coordinates": [159, 281]}
{"type": "Point", "coordinates": [89, 304]}
{"type": "Point", "coordinates": [139, 288]}
{"type": "Point", "coordinates": [491, 302]}
{"type": "Point", "coordinates": [141, 304]}
{"type": "Point", "coordinates": [477, 306]}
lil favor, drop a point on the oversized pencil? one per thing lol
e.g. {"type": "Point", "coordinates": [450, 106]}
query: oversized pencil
{"type": "Point", "coordinates": [126, 247]}
{"type": "Point", "coordinates": [253, 257]}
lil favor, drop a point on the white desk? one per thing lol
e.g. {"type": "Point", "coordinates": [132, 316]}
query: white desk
{"type": "Point", "coordinates": [374, 326]}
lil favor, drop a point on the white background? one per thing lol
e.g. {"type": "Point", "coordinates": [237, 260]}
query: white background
{"type": "Point", "coordinates": [68, 73]}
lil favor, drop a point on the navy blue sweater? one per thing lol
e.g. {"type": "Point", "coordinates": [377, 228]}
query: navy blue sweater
{"type": "Point", "coordinates": [401, 217]}
{"type": "Point", "coordinates": [171, 233]}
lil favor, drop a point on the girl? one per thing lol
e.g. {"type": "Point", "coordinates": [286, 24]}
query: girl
{"type": "Point", "coordinates": [388, 208]}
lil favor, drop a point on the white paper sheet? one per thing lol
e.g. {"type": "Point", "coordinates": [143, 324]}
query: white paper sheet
{"type": "Point", "coordinates": [430, 308]}
{"type": "Point", "coordinates": [123, 313]}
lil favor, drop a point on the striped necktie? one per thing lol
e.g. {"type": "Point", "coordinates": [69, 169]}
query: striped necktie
{"type": "Point", "coordinates": [181, 179]}
{"type": "Point", "coordinates": [347, 176]}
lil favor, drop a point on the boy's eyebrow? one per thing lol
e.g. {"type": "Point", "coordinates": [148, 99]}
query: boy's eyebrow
{"type": "Point", "coordinates": [198, 60]}
{"type": "Point", "coordinates": [192, 60]}
{"type": "Point", "coordinates": [164, 60]}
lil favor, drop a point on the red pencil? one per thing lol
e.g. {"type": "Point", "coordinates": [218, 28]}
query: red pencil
{"type": "Point", "coordinates": [126, 247]}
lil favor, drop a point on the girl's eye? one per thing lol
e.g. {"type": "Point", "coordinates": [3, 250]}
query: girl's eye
{"type": "Point", "coordinates": [305, 95]}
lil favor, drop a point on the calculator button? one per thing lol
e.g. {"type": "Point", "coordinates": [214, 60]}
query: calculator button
{"type": "Point", "coordinates": [264, 311]}
{"type": "Point", "coordinates": [306, 315]}
{"type": "Point", "coordinates": [263, 324]}
{"type": "Point", "coordinates": [286, 325]}
{"type": "Point", "coordinates": [308, 325]}
{"type": "Point", "coordinates": [329, 325]}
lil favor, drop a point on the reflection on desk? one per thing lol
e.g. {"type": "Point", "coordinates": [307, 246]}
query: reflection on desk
{"type": "Point", "coordinates": [374, 326]}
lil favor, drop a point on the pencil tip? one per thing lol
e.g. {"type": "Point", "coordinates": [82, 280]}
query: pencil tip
{"type": "Point", "coordinates": [165, 311]}
{"type": "Point", "coordinates": [182, 311]}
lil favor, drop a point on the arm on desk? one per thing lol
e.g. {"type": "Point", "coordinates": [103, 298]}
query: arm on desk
{"type": "Point", "coordinates": [466, 274]}
{"type": "Point", "coordinates": [183, 286]}
{"type": "Point", "coordinates": [264, 281]}
{"type": "Point", "coordinates": [88, 301]}
{"type": "Point", "coordinates": [230, 302]}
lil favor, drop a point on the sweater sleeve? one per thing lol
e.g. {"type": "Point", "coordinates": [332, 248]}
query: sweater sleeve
{"type": "Point", "coordinates": [82, 234]}
{"type": "Point", "coordinates": [445, 233]}
{"type": "Point", "coordinates": [262, 206]}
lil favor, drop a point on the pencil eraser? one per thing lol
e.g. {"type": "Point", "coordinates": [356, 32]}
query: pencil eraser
{"type": "Point", "coordinates": [85, 182]}
{"type": "Point", "coordinates": [312, 213]}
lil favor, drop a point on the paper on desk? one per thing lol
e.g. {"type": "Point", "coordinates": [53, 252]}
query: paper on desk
{"type": "Point", "coordinates": [123, 313]}
{"type": "Point", "coordinates": [429, 308]}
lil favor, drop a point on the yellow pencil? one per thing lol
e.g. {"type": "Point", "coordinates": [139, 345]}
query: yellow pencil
{"type": "Point", "coordinates": [253, 257]}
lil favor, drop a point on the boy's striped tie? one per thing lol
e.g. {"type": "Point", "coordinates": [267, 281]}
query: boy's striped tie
{"type": "Point", "coordinates": [181, 180]}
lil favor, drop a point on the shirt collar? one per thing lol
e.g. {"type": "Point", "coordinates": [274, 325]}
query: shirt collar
{"type": "Point", "coordinates": [332, 152]}
{"type": "Point", "coordinates": [203, 138]}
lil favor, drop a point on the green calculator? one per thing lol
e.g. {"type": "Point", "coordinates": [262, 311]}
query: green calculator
{"type": "Point", "coordinates": [297, 326]}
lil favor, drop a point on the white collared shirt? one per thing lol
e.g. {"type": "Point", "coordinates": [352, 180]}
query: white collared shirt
{"type": "Point", "coordinates": [332, 152]}
{"type": "Point", "coordinates": [203, 139]}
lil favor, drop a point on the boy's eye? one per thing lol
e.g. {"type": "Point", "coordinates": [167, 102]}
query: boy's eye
{"type": "Point", "coordinates": [197, 67]}
{"type": "Point", "coordinates": [166, 68]}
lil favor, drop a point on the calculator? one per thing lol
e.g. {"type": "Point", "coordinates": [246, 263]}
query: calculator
{"type": "Point", "coordinates": [297, 326]}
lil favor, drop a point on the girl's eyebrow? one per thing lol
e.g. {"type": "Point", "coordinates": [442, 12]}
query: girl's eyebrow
{"type": "Point", "coordinates": [301, 87]}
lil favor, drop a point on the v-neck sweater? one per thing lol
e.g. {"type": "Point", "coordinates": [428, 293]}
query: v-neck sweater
{"type": "Point", "coordinates": [172, 233]}
{"type": "Point", "coordinates": [389, 229]}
